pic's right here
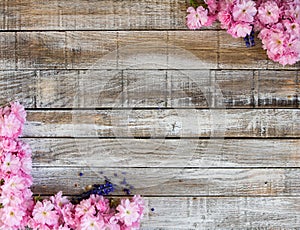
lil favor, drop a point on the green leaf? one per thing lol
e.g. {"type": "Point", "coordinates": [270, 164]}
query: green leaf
{"type": "Point", "coordinates": [37, 198]}
{"type": "Point", "coordinates": [194, 3]}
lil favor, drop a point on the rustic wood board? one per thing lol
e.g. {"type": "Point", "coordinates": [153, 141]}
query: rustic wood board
{"type": "Point", "coordinates": [92, 15]}
{"type": "Point", "coordinates": [123, 76]}
{"type": "Point", "coordinates": [164, 153]}
{"type": "Point", "coordinates": [222, 213]}
{"type": "Point", "coordinates": [171, 181]}
{"type": "Point", "coordinates": [151, 88]}
{"type": "Point", "coordinates": [18, 85]}
{"type": "Point", "coordinates": [129, 50]}
{"type": "Point", "coordinates": [7, 50]}
{"type": "Point", "coordinates": [279, 88]}
{"type": "Point", "coordinates": [161, 123]}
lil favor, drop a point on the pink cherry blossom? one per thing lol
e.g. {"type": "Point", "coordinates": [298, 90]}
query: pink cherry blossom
{"type": "Point", "coordinates": [61, 227]}
{"type": "Point", "coordinates": [292, 28]}
{"type": "Point", "coordinates": [44, 213]}
{"type": "Point", "coordinates": [225, 18]}
{"type": "Point", "coordinates": [101, 203]}
{"type": "Point", "coordinates": [11, 126]}
{"type": "Point", "coordinates": [278, 24]}
{"type": "Point", "coordinates": [68, 215]}
{"type": "Point", "coordinates": [212, 6]}
{"type": "Point", "coordinates": [91, 223]}
{"type": "Point", "coordinates": [268, 12]}
{"type": "Point", "coordinates": [59, 200]}
{"type": "Point", "coordinates": [14, 183]}
{"type": "Point", "coordinates": [139, 201]}
{"type": "Point", "coordinates": [26, 165]}
{"type": "Point", "coordinates": [27, 198]}
{"type": "Point", "coordinates": [244, 11]}
{"type": "Point", "coordinates": [18, 110]}
{"type": "Point", "coordinates": [210, 20]}
{"type": "Point", "coordinates": [11, 163]}
{"type": "Point", "coordinates": [12, 199]}
{"type": "Point", "coordinates": [7, 145]}
{"type": "Point", "coordinates": [110, 226]}
{"type": "Point", "coordinates": [293, 10]}
{"type": "Point", "coordinates": [297, 13]}
{"type": "Point", "coordinates": [276, 43]}
{"type": "Point", "coordinates": [240, 29]}
{"type": "Point", "coordinates": [12, 216]}
{"type": "Point", "coordinates": [128, 212]}
{"type": "Point", "coordinates": [287, 59]}
{"type": "Point", "coordinates": [196, 18]}
{"type": "Point", "coordinates": [85, 208]}
{"type": "Point", "coordinates": [18, 207]}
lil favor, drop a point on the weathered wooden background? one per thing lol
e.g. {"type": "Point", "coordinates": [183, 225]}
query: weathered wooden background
{"type": "Point", "coordinates": [211, 145]}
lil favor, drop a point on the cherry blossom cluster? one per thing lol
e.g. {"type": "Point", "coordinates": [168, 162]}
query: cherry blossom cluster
{"type": "Point", "coordinates": [15, 170]}
{"type": "Point", "coordinates": [94, 213]}
{"type": "Point", "coordinates": [276, 21]}
{"type": "Point", "coordinates": [18, 209]}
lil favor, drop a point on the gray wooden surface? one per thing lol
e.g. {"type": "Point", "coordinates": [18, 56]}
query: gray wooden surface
{"type": "Point", "coordinates": [205, 128]}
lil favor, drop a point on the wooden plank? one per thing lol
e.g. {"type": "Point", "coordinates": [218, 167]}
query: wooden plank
{"type": "Point", "coordinates": [277, 89]}
{"type": "Point", "coordinates": [142, 88]}
{"type": "Point", "coordinates": [56, 88]}
{"type": "Point", "coordinates": [142, 49]}
{"type": "Point", "coordinates": [164, 123]}
{"type": "Point", "coordinates": [151, 88]}
{"type": "Point", "coordinates": [193, 49]}
{"type": "Point", "coordinates": [221, 213]}
{"type": "Point", "coordinates": [236, 88]}
{"type": "Point", "coordinates": [235, 55]}
{"type": "Point", "coordinates": [110, 50]}
{"type": "Point", "coordinates": [130, 50]}
{"type": "Point", "coordinates": [93, 15]}
{"type": "Point", "coordinates": [124, 89]}
{"type": "Point", "coordinates": [39, 50]}
{"type": "Point", "coordinates": [190, 88]}
{"type": "Point", "coordinates": [91, 50]}
{"type": "Point", "coordinates": [18, 85]}
{"type": "Point", "coordinates": [165, 153]}
{"type": "Point", "coordinates": [7, 50]}
{"type": "Point", "coordinates": [170, 181]}
{"type": "Point", "coordinates": [101, 88]}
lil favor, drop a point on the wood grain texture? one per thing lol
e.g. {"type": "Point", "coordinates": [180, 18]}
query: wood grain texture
{"type": "Point", "coordinates": [164, 123]}
{"type": "Point", "coordinates": [92, 15]}
{"type": "Point", "coordinates": [130, 50]}
{"type": "Point", "coordinates": [124, 75]}
{"type": "Point", "coordinates": [234, 53]}
{"type": "Point", "coordinates": [165, 153]}
{"type": "Point", "coordinates": [277, 88]}
{"type": "Point", "coordinates": [40, 50]}
{"type": "Point", "coordinates": [7, 50]}
{"type": "Point", "coordinates": [170, 181]}
{"type": "Point", "coordinates": [18, 85]}
{"type": "Point", "coordinates": [151, 88]}
{"type": "Point", "coordinates": [91, 50]}
{"type": "Point", "coordinates": [236, 86]}
{"type": "Point", "coordinates": [222, 213]}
